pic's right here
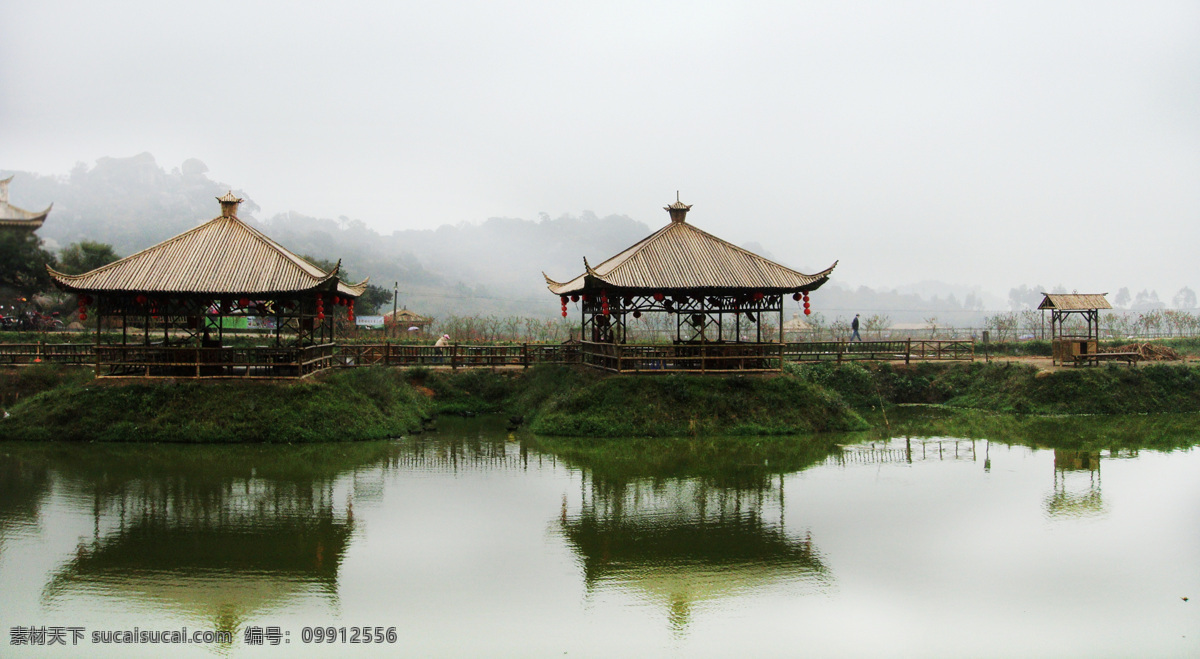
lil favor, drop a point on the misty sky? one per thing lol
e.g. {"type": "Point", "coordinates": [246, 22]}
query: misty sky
{"type": "Point", "coordinates": [989, 143]}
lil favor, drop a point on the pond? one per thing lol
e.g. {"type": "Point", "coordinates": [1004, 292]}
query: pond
{"type": "Point", "coordinates": [938, 536]}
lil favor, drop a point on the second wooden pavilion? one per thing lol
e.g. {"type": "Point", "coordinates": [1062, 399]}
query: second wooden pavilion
{"type": "Point", "coordinates": [717, 294]}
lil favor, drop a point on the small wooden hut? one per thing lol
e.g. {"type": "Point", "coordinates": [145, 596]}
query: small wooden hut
{"type": "Point", "coordinates": [180, 298]}
{"type": "Point", "coordinates": [12, 217]}
{"type": "Point", "coordinates": [1071, 339]}
{"type": "Point", "coordinates": [718, 294]}
{"type": "Point", "coordinates": [402, 322]}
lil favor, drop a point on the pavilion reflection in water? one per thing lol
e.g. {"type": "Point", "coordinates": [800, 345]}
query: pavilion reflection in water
{"type": "Point", "coordinates": [212, 538]}
{"type": "Point", "coordinates": [679, 542]}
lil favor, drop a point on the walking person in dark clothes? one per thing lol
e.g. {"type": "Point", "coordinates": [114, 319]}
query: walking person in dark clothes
{"type": "Point", "coordinates": [854, 329]}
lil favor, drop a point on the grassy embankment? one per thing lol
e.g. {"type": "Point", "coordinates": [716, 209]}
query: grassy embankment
{"type": "Point", "coordinates": [350, 405]}
{"type": "Point", "coordinates": [373, 403]}
{"type": "Point", "coordinates": [1012, 388]}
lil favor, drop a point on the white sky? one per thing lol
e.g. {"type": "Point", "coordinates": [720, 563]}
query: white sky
{"type": "Point", "coordinates": [989, 143]}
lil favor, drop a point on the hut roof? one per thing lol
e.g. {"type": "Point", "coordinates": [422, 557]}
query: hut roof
{"type": "Point", "coordinates": [407, 316]}
{"type": "Point", "coordinates": [680, 256]}
{"type": "Point", "coordinates": [19, 218]}
{"type": "Point", "coordinates": [221, 256]}
{"type": "Point", "coordinates": [1074, 301]}
{"type": "Point", "coordinates": [796, 324]}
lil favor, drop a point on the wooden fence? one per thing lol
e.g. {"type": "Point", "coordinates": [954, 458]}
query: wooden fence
{"type": "Point", "coordinates": [298, 362]}
{"type": "Point", "coordinates": [906, 350]}
{"type": "Point", "coordinates": [688, 358]}
{"type": "Point", "coordinates": [192, 362]}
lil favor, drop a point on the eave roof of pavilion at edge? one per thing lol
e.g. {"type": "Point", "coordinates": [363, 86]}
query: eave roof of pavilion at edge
{"type": "Point", "coordinates": [19, 218]}
{"type": "Point", "coordinates": [224, 256]}
{"type": "Point", "coordinates": [680, 257]}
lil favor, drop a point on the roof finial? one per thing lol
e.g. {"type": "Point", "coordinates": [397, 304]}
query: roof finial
{"type": "Point", "coordinates": [678, 210]}
{"type": "Point", "coordinates": [229, 204]}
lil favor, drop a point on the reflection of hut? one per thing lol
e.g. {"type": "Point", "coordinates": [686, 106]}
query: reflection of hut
{"type": "Point", "coordinates": [1073, 339]}
{"type": "Point", "coordinates": [1076, 484]}
{"type": "Point", "coordinates": [12, 217]}
{"type": "Point", "coordinates": [182, 292]}
{"type": "Point", "coordinates": [401, 323]}
{"type": "Point", "coordinates": [718, 294]}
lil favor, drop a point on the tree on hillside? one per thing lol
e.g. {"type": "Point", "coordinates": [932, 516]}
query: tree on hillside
{"type": "Point", "coordinates": [373, 298]}
{"type": "Point", "coordinates": [1122, 298]}
{"type": "Point", "coordinates": [85, 256]}
{"type": "Point", "coordinates": [23, 262]}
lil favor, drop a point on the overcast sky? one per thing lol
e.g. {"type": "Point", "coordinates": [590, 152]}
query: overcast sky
{"type": "Point", "coordinates": [989, 143]}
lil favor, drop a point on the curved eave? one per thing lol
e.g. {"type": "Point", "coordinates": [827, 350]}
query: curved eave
{"type": "Point", "coordinates": [353, 290]}
{"type": "Point", "coordinates": [590, 280]}
{"type": "Point", "coordinates": [29, 220]}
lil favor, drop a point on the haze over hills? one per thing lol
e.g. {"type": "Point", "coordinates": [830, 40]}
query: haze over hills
{"type": "Point", "coordinates": [494, 267]}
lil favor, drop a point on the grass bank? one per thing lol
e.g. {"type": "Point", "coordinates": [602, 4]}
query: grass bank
{"type": "Point", "coordinates": [354, 404]}
{"type": "Point", "coordinates": [65, 404]}
{"type": "Point", "coordinates": [1012, 388]}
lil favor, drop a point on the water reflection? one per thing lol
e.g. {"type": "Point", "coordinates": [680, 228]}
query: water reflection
{"type": "Point", "coordinates": [23, 485]}
{"type": "Point", "coordinates": [703, 522]}
{"type": "Point", "coordinates": [215, 533]}
{"type": "Point", "coordinates": [1076, 485]}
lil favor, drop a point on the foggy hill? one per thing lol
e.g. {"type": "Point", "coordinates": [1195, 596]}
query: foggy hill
{"type": "Point", "coordinates": [494, 267]}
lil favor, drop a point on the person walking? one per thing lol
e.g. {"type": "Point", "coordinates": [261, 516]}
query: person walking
{"type": "Point", "coordinates": [854, 329]}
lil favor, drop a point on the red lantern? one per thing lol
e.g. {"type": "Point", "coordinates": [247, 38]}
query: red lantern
{"type": "Point", "coordinates": [320, 315]}
{"type": "Point", "coordinates": [82, 316]}
{"type": "Point", "coordinates": [796, 296]}
{"type": "Point", "coordinates": [574, 298]}
{"type": "Point", "coordinates": [806, 296]}
{"type": "Point", "coordinates": [807, 311]}
{"type": "Point", "coordinates": [564, 313]}
{"type": "Point", "coordinates": [637, 314]}
{"type": "Point", "coordinates": [658, 297]}
{"type": "Point", "coordinates": [141, 299]}
{"type": "Point", "coordinates": [757, 296]}
{"type": "Point", "coordinates": [563, 298]}
{"type": "Point", "coordinates": [244, 302]}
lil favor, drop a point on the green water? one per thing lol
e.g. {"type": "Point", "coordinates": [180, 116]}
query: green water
{"type": "Point", "coordinates": [942, 535]}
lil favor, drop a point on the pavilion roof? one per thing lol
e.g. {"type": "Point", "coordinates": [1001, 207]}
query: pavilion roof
{"type": "Point", "coordinates": [19, 218]}
{"type": "Point", "coordinates": [222, 256]}
{"type": "Point", "coordinates": [1074, 301]}
{"type": "Point", "coordinates": [681, 257]}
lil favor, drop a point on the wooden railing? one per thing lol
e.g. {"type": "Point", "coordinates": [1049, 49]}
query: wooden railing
{"type": "Point", "coordinates": [294, 362]}
{"type": "Point", "coordinates": [690, 358]}
{"type": "Point", "coordinates": [42, 352]}
{"type": "Point", "coordinates": [186, 361]}
{"type": "Point", "coordinates": [456, 355]}
{"type": "Point", "coordinates": [906, 350]}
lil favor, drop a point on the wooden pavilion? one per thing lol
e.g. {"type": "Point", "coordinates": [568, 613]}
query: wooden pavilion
{"type": "Point", "coordinates": [718, 295]}
{"type": "Point", "coordinates": [1071, 341]}
{"type": "Point", "coordinates": [182, 294]}
{"type": "Point", "coordinates": [12, 217]}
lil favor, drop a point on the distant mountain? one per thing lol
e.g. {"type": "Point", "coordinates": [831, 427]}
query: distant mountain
{"type": "Point", "coordinates": [494, 267]}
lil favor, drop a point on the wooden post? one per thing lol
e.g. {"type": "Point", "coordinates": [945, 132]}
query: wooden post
{"type": "Point", "coordinates": [908, 351]}
{"type": "Point", "coordinates": [454, 356]}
